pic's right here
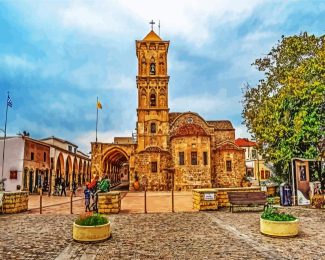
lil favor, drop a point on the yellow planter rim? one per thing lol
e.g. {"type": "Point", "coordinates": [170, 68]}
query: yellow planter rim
{"type": "Point", "coordinates": [108, 223]}
{"type": "Point", "coordinates": [284, 222]}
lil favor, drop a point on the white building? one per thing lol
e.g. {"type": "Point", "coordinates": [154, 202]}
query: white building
{"type": "Point", "coordinates": [255, 164]}
{"type": "Point", "coordinates": [31, 164]}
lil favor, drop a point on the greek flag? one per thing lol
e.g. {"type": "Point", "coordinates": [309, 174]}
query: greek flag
{"type": "Point", "coordinates": [9, 102]}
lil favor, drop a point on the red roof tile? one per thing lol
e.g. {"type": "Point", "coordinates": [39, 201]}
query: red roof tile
{"type": "Point", "coordinates": [244, 142]}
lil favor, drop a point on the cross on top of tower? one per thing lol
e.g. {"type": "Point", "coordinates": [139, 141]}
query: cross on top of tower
{"type": "Point", "coordinates": [152, 23]}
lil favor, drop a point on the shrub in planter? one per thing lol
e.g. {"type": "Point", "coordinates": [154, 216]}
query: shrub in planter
{"type": "Point", "coordinates": [274, 223]}
{"type": "Point", "coordinates": [91, 227]}
{"type": "Point", "coordinates": [91, 219]}
{"type": "Point", "coordinates": [271, 213]}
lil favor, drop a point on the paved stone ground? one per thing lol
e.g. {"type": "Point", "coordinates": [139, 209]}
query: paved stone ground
{"type": "Point", "coordinates": [132, 202]}
{"type": "Point", "coordinates": [187, 235]}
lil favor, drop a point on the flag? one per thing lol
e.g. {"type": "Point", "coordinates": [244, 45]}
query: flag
{"type": "Point", "coordinates": [9, 102]}
{"type": "Point", "coordinates": [99, 105]}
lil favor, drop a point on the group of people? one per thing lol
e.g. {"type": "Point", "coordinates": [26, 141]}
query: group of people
{"type": "Point", "coordinates": [60, 187]}
{"type": "Point", "coordinates": [92, 189]}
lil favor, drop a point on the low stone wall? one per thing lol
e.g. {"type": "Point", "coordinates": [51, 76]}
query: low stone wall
{"type": "Point", "coordinates": [15, 202]}
{"type": "Point", "coordinates": [109, 202]}
{"type": "Point", "coordinates": [222, 194]}
{"type": "Point", "coordinates": [205, 199]}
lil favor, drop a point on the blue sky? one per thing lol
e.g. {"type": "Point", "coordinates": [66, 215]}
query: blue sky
{"type": "Point", "coordinates": [56, 57]}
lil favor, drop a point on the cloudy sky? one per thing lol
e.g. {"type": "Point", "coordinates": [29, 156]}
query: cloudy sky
{"type": "Point", "coordinates": [56, 57]}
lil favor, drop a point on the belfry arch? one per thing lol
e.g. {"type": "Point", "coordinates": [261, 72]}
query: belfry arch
{"type": "Point", "coordinates": [116, 165]}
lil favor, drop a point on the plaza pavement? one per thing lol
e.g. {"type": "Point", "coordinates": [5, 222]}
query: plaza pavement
{"type": "Point", "coordinates": [132, 202]}
{"type": "Point", "coordinates": [165, 235]}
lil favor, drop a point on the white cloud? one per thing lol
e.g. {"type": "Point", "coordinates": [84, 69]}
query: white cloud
{"type": "Point", "coordinates": [123, 82]}
{"type": "Point", "coordinates": [219, 104]}
{"type": "Point", "coordinates": [242, 132]}
{"type": "Point", "coordinates": [84, 139]}
{"type": "Point", "coordinates": [192, 20]}
{"type": "Point", "coordinates": [13, 62]}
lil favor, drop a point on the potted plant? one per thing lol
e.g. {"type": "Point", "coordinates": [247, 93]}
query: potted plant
{"type": "Point", "coordinates": [91, 227]}
{"type": "Point", "coordinates": [274, 223]}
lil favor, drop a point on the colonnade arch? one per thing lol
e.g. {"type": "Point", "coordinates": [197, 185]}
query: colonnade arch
{"type": "Point", "coordinates": [116, 165]}
{"type": "Point", "coordinates": [69, 168]}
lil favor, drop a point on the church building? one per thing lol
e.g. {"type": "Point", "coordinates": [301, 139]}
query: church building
{"type": "Point", "coordinates": [198, 153]}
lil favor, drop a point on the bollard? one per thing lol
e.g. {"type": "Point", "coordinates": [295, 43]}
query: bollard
{"type": "Point", "coordinates": [173, 192]}
{"type": "Point", "coordinates": [71, 196]}
{"type": "Point", "coordinates": [40, 201]}
{"type": "Point", "coordinates": [145, 200]}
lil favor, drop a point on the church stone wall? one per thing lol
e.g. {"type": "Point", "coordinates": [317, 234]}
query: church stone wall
{"type": "Point", "coordinates": [223, 135]}
{"type": "Point", "coordinates": [190, 176]}
{"type": "Point", "coordinates": [233, 178]}
{"type": "Point", "coordinates": [157, 181]}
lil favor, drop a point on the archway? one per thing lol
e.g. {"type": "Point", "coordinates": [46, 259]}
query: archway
{"type": "Point", "coordinates": [116, 166]}
{"type": "Point", "coordinates": [84, 172]}
{"type": "Point", "coordinates": [68, 169]}
{"type": "Point", "coordinates": [59, 167]}
{"type": "Point", "coordinates": [75, 169]}
{"type": "Point", "coordinates": [80, 172]}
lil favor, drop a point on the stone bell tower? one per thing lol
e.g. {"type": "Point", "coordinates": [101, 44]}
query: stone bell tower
{"type": "Point", "coordinates": [152, 84]}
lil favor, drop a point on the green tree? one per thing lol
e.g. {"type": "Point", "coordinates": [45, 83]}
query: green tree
{"type": "Point", "coordinates": [285, 112]}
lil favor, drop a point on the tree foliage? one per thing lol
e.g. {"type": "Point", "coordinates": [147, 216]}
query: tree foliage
{"type": "Point", "coordinates": [285, 112]}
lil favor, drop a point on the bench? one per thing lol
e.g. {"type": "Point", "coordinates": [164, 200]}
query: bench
{"type": "Point", "coordinates": [246, 199]}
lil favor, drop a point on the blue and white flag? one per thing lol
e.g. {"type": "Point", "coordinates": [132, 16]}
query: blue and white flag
{"type": "Point", "coordinates": [9, 102]}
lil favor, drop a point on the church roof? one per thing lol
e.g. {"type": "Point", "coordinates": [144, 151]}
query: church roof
{"type": "Point", "coordinates": [152, 36]}
{"type": "Point", "coordinates": [173, 115]}
{"type": "Point", "coordinates": [221, 124]}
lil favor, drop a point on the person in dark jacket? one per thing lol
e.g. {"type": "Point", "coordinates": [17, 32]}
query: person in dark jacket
{"type": "Point", "coordinates": [74, 187]}
{"type": "Point", "coordinates": [87, 198]}
{"type": "Point", "coordinates": [63, 188]}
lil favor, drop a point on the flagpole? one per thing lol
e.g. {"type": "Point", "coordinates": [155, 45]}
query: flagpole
{"type": "Point", "coordinates": [4, 140]}
{"type": "Point", "coordinates": [96, 118]}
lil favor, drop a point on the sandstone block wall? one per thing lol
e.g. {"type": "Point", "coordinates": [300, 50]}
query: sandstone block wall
{"type": "Point", "coordinates": [15, 202]}
{"type": "Point", "coordinates": [157, 181]}
{"type": "Point", "coordinates": [109, 202]}
{"type": "Point", "coordinates": [190, 176]}
{"type": "Point", "coordinates": [231, 178]}
{"type": "Point", "coordinates": [200, 203]}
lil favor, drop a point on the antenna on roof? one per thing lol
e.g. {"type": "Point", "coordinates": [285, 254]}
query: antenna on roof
{"type": "Point", "coordinates": [159, 28]}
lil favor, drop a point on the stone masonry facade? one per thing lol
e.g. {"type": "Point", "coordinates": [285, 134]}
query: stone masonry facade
{"type": "Point", "coordinates": [183, 147]}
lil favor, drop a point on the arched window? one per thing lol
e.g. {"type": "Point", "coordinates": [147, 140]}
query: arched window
{"type": "Point", "coordinates": [153, 128]}
{"type": "Point", "coordinates": [153, 100]}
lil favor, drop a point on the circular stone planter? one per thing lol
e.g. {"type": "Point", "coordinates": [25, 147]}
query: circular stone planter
{"type": "Point", "coordinates": [91, 233]}
{"type": "Point", "coordinates": [279, 228]}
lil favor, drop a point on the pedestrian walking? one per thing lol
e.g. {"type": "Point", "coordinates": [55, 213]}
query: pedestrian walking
{"type": "Point", "coordinates": [74, 187]}
{"type": "Point", "coordinates": [63, 188]}
{"type": "Point", "coordinates": [87, 198]}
